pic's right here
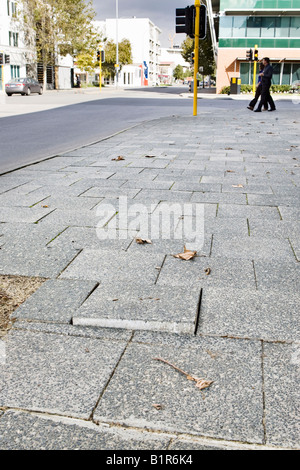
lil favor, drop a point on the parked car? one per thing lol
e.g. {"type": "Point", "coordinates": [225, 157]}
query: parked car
{"type": "Point", "coordinates": [23, 86]}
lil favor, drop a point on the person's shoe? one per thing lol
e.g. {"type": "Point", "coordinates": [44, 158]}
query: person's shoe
{"type": "Point", "coordinates": [257, 111]}
{"type": "Point", "coordinates": [250, 107]}
{"type": "Point", "coordinates": [265, 109]}
{"type": "Point", "coordinates": [274, 109]}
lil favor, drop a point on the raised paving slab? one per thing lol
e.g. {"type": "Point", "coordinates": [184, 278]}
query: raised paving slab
{"type": "Point", "coordinates": [137, 307]}
{"type": "Point", "coordinates": [55, 301]}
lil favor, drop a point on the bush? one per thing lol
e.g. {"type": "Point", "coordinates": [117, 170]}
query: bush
{"type": "Point", "coordinates": [248, 89]}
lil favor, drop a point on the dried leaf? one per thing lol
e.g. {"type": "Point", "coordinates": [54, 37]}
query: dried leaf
{"type": "Point", "coordinates": [186, 255]}
{"type": "Point", "coordinates": [228, 148]}
{"type": "Point", "coordinates": [207, 271]}
{"type": "Point", "coordinates": [237, 186]}
{"type": "Point", "coordinates": [119, 158]}
{"type": "Point", "coordinates": [141, 241]}
{"type": "Point", "coordinates": [202, 384]}
{"type": "Point", "coordinates": [230, 171]}
{"type": "Point", "coordinates": [45, 206]}
{"type": "Point", "coordinates": [149, 156]}
{"type": "Point", "coordinates": [157, 406]}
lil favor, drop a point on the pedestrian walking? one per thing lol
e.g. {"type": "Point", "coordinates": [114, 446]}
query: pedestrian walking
{"type": "Point", "coordinates": [78, 81]}
{"type": "Point", "coordinates": [252, 103]}
{"type": "Point", "coordinates": [266, 80]}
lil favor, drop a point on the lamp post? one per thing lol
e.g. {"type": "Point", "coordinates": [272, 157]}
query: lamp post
{"type": "Point", "coordinates": [117, 43]}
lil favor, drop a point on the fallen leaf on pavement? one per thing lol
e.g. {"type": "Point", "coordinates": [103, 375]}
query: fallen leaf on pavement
{"type": "Point", "coordinates": [186, 255]}
{"type": "Point", "coordinates": [237, 186]}
{"type": "Point", "coordinates": [118, 158]}
{"type": "Point", "coordinates": [207, 271]}
{"type": "Point", "coordinates": [149, 156]}
{"type": "Point", "coordinates": [157, 406]}
{"type": "Point", "coordinates": [200, 383]}
{"type": "Point", "coordinates": [141, 241]}
{"type": "Point", "coordinates": [228, 148]}
{"type": "Point", "coordinates": [230, 171]}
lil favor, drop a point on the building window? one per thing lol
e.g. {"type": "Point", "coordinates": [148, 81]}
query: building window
{"type": "Point", "coordinates": [259, 27]}
{"type": "Point", "coordinates": [13, 39]}
{"type": "Point", "coordinates": [15, 71]}
{"type": "Point", "coordinates": [11, 8]}
{"type": "Point", "coordinates": [283, 73]}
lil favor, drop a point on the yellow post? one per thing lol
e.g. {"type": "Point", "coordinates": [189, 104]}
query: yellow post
{"type": "Point", "coordinates": [196, 62]}
{"type": "Point", "coordinates": [254, 72]}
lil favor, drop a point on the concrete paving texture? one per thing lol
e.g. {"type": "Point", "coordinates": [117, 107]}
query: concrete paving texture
{"type": "Point", "coordinates": [102, 224]}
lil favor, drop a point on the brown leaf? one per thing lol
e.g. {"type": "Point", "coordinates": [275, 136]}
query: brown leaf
{"type": "Point", "coordinates": [157, 406]}
{"type": "Point", "coordinates": [141, 241]}
{"type": "Point", "coordinates": [149, 156]}
{"type": "Point", "coordinates": [119, 158]}
{"type": "Point", "coordinates": [201, 383]}
{"type": "Point", "coordinates": [237, 186]}
{"type": "Point", "coordinates": [207, 271]}
{"type": "Point", "coordinates": [45, 206]}
{"type": "Point", "coordinates": [230, 171]}
{"type": "Point", "coordinates": [186, 255]}
{"type": "Point", "coordinates": [228, 148]}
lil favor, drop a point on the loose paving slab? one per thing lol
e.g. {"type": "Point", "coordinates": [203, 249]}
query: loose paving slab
{"type": "Point", "coordinates": [23, 431]}
{"type": "Point", "coordinates": [55, 301]}
{"type": "Point", "coordinates": [270, 315]}
{"type": "Point", "coordinates": [231, 408]}
{"type": "Point", "coordinates": [141, 308]}
{"type": "Point", "coordinates": [56, 374]}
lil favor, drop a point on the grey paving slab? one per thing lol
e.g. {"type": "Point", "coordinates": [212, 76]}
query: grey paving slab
{"type": "Point", "coordinates": [237, 187]}
{"type": "Point", "coordinates": [24, 236]}
{"type": "Point", "coordinates": [230, 409]}
{"type": "Point", "coordinates": [46, 262]}
{"type": "Point", "coordinates": [112, 266]}
{"type": "Point", "coordinates": [21, 199]}
{"type": "Point", "coordinates": [198, 187]}
{"type": "Point", "coordinates": [290, 213]}
{"type": "Point", "coordinates": [222, 272]}
{"type": "Point", "coordinates": [69, 203]}
{"type": "Point", "coordinates": [224, 198]}
{"type": "Point", "coordinates": [269, 314]}
{"type": "Point", "coordinates": [270, 249]}
{"type": "Point", "coordinates": [133, 307]}
{"type": "Point", "coordinates": [273, 200]}
{"type": "Point", "coordinates": [281, 379]}
{"type": "Point", "coordinates": [148, 195]}
{"type": "Point", "coordinates": [146, 184]}
{"type": "Point", "coordinates": [55, 373]}
{"type": "Point", "coordinates": [256, 212]}
{"type": "Point", "coordinates": [271, 228]}
{"type": "Point", "coordinates": [97, 192]}
{"type": "Point", "coordinates": [23, 214]}
{"type": "Point", "coordinates": [55, 301]}
{"type": "Point", "coordinates": [23, 431]}
{"type": "Point", "coordinates": [77, 218]}
{"type": "Point", "coordinates": [85, 237]}
{"type": "Point", "coordinates": [277, 274]}
{"type": "Point", "coordinates": [295, 244]}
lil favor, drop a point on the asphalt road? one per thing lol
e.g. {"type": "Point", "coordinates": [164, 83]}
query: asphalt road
{"type": "Point", "coordinates": [27, 138]}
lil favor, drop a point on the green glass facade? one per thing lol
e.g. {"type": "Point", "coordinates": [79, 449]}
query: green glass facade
{"type": "Point", "coordinates": [265, 31]}
{"type": "Point", "coordinates": [249, 4]}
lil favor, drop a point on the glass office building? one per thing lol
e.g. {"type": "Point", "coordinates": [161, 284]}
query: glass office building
{"type": "Point", "coordinates": [272, 25]}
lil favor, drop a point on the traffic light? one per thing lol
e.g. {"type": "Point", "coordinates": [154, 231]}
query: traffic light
{"type": "Point", "coordinates": [249, 55]}
{"type": "Point", "coordinates": [185, 21]}
{"type": "Point", "coordinates": [1, 59]}
{"type": "Point", "coordinates": [256, 55]}
{"type": "Point", "coordinates": [203, 22]}
{"type": "Point", "coordinates": [192, 58]}
{"type": "Point", "coordinates": [102, 56]}
{"type": "Point", "coordinates": [98, 56]}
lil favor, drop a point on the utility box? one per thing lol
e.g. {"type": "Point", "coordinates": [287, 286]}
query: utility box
{"type": "Point", "coordinates": [235, 86]}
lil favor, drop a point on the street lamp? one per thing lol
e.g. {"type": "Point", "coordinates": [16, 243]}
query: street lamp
{"type": "Point", "coordinates": [117, 43]}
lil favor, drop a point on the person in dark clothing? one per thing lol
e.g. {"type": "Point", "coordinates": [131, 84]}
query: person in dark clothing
{"type": "Point", "coordinates": [266, 80]}
{"type": "Point", "coordinates": [252, 103]}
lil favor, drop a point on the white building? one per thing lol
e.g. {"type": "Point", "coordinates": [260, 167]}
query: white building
{"type": "Point", "coordinates": [15, 55]}
{"type": "Point", "coordinates": [144, 38]}
{"type": "Point", "coordinates": [170, 57]}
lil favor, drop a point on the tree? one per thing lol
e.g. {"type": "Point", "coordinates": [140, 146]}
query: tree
{"type": "Point", "coordinates": [178, 72]}
{"type": "Point", "coordinates": [125, 56]}
{"type": "Point", "coordinates": [206, 55]}
{"type": "Point", "coordinates": [59, 27]}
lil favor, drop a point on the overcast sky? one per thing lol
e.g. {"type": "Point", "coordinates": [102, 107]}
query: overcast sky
{"type": "Point", "coordinates": [160, 12]}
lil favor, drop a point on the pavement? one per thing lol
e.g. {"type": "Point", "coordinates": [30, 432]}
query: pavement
{"type": "Point", "coordinates": [83, 365]}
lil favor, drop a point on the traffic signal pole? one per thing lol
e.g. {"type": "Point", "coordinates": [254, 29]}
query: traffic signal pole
{"type": "Point", "coordinates": [196, 63]}
{"type": "Point", "coordinates": [255, 69]}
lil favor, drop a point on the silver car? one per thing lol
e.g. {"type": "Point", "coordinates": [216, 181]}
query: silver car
{"type": "Point", "coordinates": [23, 86]}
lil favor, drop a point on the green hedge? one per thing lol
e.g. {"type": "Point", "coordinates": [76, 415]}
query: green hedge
{"type": "Point", "coordinates": [248, 89]}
